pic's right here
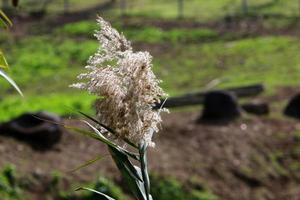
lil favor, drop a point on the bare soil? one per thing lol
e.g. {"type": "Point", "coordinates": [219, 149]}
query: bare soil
{"type": "Point", "coordinates": [250, 158]}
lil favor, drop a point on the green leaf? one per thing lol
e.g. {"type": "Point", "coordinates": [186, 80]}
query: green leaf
{"type": "Point", "coordinates": [107, 128]}
{"type": "Point", "coordinates": [132, 155]}
{"type": "Point", "coordinates": [98, 136]}
{"type": "Point", "coordinates": [119, 152]}
{"type": "Point", "coordinates": [87, 163]}
{"type": "Point", "coordinates": [90, 134]}
{"type": "Point", "coordinates": [4, 75]}
{"type": "Point", "coordinates": [144, 168]}
{"type": "Point", "coordinates": [131, 174]}
{"type": "Point", "coordinates": [97, 192]}
{"type": "Point", "coordinates": [3, 62]}
{"type": "Point", "coordinates": [124, 159]}
{"type": "Point", "coordinates": [4, 20]}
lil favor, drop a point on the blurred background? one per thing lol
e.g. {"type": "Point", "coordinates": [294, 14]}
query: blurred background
{"type": "Point", "coordinates": [230, 67]}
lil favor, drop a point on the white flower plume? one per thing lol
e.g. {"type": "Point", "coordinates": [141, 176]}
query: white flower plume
{"type": "Point", "coordinates": [129, 88]}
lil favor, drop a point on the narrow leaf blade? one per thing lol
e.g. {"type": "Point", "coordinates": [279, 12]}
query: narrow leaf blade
{"type": "Point", "coordinates": [135, 185]}
{"type": "Point", "coordinates": [5, 20]}
{"type": "Point", "coordinates": [3, 62]}
{"type": "Point", "coordinates": [106, 127]}
{"type": "Point", "coordinates": [97, 192]}
{"type": "Point", "coordinates": [89, 162]}
{"type": "Point", "coordinates": [144, 168]}
{"type": "Point", "coordinates": [12, 82]}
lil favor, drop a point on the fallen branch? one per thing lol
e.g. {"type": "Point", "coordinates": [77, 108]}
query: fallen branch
{"type": "Point", "coordinates": [198, 97]}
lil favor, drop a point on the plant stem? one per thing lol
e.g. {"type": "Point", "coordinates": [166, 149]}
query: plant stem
{"type": "Point", "coordinates": [144, 168]}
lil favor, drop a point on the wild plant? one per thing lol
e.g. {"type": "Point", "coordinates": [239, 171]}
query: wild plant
{"type": "Point", "coordinates": [125, 119]}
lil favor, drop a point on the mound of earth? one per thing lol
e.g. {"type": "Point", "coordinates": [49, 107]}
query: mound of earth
{"type": "Point", "coordinates": [251, 158]}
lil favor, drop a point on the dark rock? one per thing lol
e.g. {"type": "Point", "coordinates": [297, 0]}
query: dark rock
{"type": "Point", "coordinates": [41, 130]}
{"type": "Point", "coordinates": [38, 14]}
{"type": "Point", "coordinates": [256, 108]}
{"type": "Point", "coordinates": [293, 107]}
{"type": "Point", "coordinates": [220, 106]}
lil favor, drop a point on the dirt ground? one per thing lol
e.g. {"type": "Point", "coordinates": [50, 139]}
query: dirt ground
{"type": "Point", "coordinates": [250, 158]}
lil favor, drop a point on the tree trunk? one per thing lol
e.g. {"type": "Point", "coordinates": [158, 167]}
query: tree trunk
{"type": "Point", "coordinates": [245, 7]}
{"type": "Point", "coordinates": [180, 9]}
{"type": "Point", "coordinates": [123, 7]}
{"type": "Point", "coordinates": [66, 6]}
{"type": "Point", "coordinates": [5, 4]}
{"type": "Point", "coordinates": [198, 97]}
{"type": "Point", "coordinates": [298, 7]}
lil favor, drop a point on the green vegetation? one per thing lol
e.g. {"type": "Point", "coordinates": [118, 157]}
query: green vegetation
{"type": "Point", "coordinates": [57, 5]}
{"type": "Point", "coordinates": [60, 103]}
{"type": "Point", "coordinates": [156, 35]}
{"type": "Point", "coordinates": [37, 59]}
{"type": "Point", "coordinates": [82, 28]}
{"type": "Point", "coordinates": [270, 60]}
{"type": "Point", "coordinates": [146, 34]}
{"type": "Point", "coordinates": [185, 59]}
{"type": "Point", "coordinates": [168, 188]}
{"type": "Point", "coordinates": [45, 66]}
{"type": "Point", "coordinates": [199, 10]}
{"type": "Point", "coordinates": [202, 10]}
{"type": "Point", "coordinates": [296, 136]}
{"type": "Point", "coordinates": [14, 187]}
{"type": "Point", "coordinates": [103, 185]}
{"type": "Point", "coordinates": [109, 188]}
{"type": "Point", "coordinates": [9, 188]}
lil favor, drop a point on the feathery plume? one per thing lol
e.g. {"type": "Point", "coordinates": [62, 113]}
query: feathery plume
{"type": "Point", "coordinates": [126, 85]}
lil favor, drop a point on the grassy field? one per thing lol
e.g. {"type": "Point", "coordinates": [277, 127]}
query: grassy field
{"type": "Point", "coordinates": [44, 65]}
{"type": "Point", "coordinates": [199, 10]}
{"type": "Point", "coordinates": [16, 187]}
{"type": "Point", "coordinates": [186, 60]}
{"type": "Point", "coordinates": [202, 10]}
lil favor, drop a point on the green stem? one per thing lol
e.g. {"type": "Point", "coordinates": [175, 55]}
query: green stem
{"type": "Point", "coordinates": [144, 168]}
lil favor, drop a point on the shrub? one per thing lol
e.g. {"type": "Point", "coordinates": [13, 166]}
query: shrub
{"type": "Point", "coordinates": [109, 188]}
{"type": "Point", "coordinates": [202, 195]}
{"type": "Point", "coordinates": [8, 186]}
{"type": "Point", "coordinates": [168, 188]}
{"type": "Point", "coordinates": [83, 28]}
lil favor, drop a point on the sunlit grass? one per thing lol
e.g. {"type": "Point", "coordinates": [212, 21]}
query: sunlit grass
{"type": "Point", "coordinates": [46, 65]}
{"type": "Point", "coordinates": [203, 10]}
{"type": "Point", "coordinates": [272, 61]}
{"type": "Point", "coordinates": [60, 103]}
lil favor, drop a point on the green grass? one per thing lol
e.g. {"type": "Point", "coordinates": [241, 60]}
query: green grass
{"type": "Point", "coordinates": [199, 9]}
{"type": "Point", "coordinates": [146, 34]}
{"type": "Point", "coordinates": [16, 187]}
{"type": "Point", "coordinates": [45, 66]}
{"type": "Point", "coordinates": [168, 188]}
{"type": "Point", "coordinates": [9, 188]}
{"type": "Point", "coordinates": [270, 60]}
{"type": "Point", "coordinates": [82, 28]}
{"type": "Point", "coordinates": [202, 10]}
{"type": "Point", "coordinates": [103, 185]}
{"type": "Point", "coordinates": [48, 61]}
{"type": "Point", "coordinates": [60, 103]}
{"type": "Point", "coordinates": [58, 6]}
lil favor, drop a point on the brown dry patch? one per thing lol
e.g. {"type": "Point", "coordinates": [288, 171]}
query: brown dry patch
{"type": "Point", "coordinates": [246, 159]}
